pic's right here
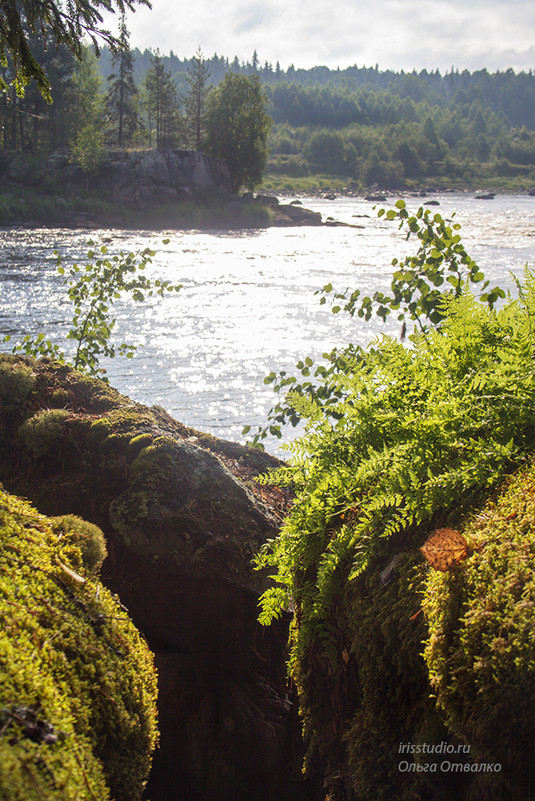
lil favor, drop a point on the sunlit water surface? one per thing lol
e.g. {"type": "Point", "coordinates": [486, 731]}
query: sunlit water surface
{"type": "Point", "coordinates": [248, 303]}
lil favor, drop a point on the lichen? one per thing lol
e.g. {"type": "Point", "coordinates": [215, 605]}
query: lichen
{"type": "Point", "coordinates": [78, 691]}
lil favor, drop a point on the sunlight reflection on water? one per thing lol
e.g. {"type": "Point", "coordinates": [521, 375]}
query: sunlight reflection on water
{"type": "Point", "coordinates": [248, 303]}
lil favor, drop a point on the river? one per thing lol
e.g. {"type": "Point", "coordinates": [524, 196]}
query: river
{"type": "Point", "coordinates": [247, 305]}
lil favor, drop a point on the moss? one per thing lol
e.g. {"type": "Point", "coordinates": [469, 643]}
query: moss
{"type": "Point", "coordinates": [480, 650]}
{"type": "Point", "coordinates": [59, 399]}
{"type": "Point", "coordinates": [121, 423]}
{"type": "Point", "coordinates": [16, 381]}
{"type": "Point", "coordinates": [136, 445]}
{"type": "Point", "coordinates": [373, 693]}
{"type": "Point", "coordinates": [40, 434]}
{"type": "Point", "coordinates": [77, 699]}
{"type": "Point", "coordinates": [86, 536]}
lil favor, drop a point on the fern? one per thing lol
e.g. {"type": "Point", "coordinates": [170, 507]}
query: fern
{"type": "Point", "coordinates": [421, 429]}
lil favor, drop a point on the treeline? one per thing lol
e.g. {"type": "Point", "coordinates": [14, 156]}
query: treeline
{"type": "Point", "coordinates": [382, 127]}
{"type": "Point", "coordinates": [361, 124]}
{"type": "Point", "coordinates": [91, 111]}
{"type": "Point", "coordinates": [508, 94]}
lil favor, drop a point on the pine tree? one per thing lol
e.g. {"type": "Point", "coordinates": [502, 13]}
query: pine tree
{"type": "Point", "coordinates": [195, 100]}
{"type": "Point", "coordinates": [122, 92]}
{"type": "Point", "coordinates": [161, 105]}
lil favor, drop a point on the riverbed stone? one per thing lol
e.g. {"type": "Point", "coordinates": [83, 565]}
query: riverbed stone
{"type": "Point", "coordinates": [183, 517]}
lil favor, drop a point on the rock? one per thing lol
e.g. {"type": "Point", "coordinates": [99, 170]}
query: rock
{"type": "Point", "coordinates": [135, 178]}
{"type": "Point", "coordinates": [376, 198]}
{"type": "Point", "coordinates": [486, 196]}
{"type": "Point", "coordinates": [183, 518]}
{"type": "Point", "coordinates": [78, 689]}
{"type": "Point", "coordinates": [432, 203]}
{"type": "Point", "coordinates": [270, 201]}
{"type": "Point", "coordinates": [289, 214]}
{"type": "Point", "coordinates": [442, 657]}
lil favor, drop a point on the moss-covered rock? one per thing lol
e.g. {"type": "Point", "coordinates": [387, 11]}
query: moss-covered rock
{"type": "Point", "coordinates": [164, 491]}
{"type": "Point", "coordinates": [182, 517]}
{"type": "Point", "coordinates": [78, 686]}
{"type": "Point", "coordinates": [481, 647]}
{"type": "Point", "coordinates": [375, 709]}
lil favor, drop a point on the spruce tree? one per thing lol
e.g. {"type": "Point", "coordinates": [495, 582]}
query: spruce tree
{"type": "Point", "coordinates": [194, 101]}
{"type": "Point", "coordinates": [161, 105]}
{"type": "Point", "coordinates": [70, 24]}
{"type": "Point", "coordinates": [122, 92]}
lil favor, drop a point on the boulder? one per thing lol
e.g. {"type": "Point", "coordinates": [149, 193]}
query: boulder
{"type": "Point", "coordinates": [290, 214]}
{"type": "Point", "coordinates": [183, 518]}
{"type": "Point", "coordinates": [430, 694]}
{"type": "Point", "coordinates": [78, 688]}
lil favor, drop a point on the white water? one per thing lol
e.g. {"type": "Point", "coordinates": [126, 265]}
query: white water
{"type": "Point", "coordinates": [248, 304]}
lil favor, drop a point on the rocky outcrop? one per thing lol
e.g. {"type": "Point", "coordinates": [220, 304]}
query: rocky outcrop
{"type": "Point", "coordinates": [134, 178]}
{"type": "Point", "coordinates": [183, 518]}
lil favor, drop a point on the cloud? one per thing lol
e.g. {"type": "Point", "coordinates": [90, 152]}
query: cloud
{"type": "Point", "coordinates": [397, 34]}
{"type": "Point", "coordinates": [250, 18]}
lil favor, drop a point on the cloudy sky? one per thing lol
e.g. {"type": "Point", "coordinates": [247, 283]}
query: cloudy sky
{"type": "Point", "coordinates": [396, 34]}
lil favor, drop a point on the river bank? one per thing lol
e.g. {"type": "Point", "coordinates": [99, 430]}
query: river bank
{"type": "Point", "coordinates": [186, 190]}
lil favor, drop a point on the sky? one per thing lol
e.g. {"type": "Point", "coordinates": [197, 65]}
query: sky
{"type": "Point", "coordinates": [394, 34]}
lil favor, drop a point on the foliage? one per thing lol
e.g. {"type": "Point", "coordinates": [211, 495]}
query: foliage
{"type": "Point", "coordinates": [86, 98]}
{"type": "Point", "coordinates": [418, 280]}
{"type": "Point", "coordinates": [396, 130]}
{"type": "Point", "coordinates": [421, 429]}
{"type": "Point", "coordinates": [92, 289]}
{"type": "Point", "coordinates": [417, 285]}
{"type": "Point", "coordinates": [78, 693]}
{"type": "Point", "coordinates": [68, 26]}
{"type": "Point", "coordinates": [328, 151]}
{"type": "Point", "coordinates": [86, 115]}
{"type": "Point", "coordinates": [161, 105]}
{"type": "Point", "coordinates": [237, 126]}
{"type": "Point", "coordinates": [87, 149]}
